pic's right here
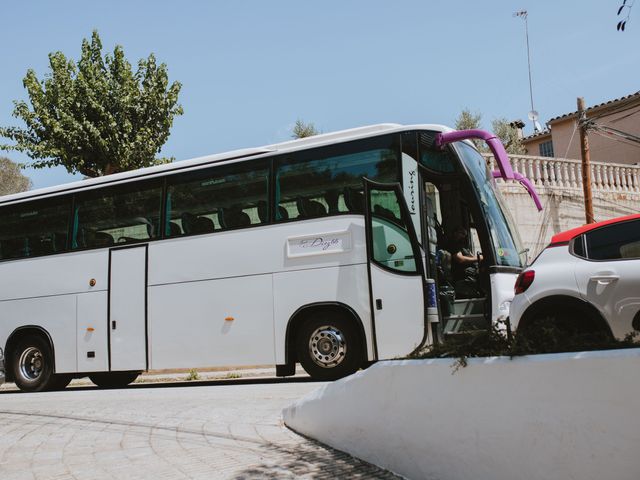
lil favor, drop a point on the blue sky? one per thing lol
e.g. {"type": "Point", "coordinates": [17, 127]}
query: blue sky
{"type": "Point", "coordinates": [250, 68]}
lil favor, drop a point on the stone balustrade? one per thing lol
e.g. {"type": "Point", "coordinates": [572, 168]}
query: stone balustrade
{"type": "Point", "coordinates": [558, 181]}
{"type": "Point", "coordinates": [564, 173]}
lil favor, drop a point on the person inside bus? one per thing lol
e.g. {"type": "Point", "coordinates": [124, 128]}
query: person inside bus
{"type": "Point", "coordinates": [464, 265]}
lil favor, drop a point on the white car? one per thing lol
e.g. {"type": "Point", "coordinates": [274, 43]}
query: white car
{"type": "Point", "coordinates": [587, 280]}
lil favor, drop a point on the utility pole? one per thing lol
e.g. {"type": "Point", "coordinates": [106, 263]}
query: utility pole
{"type": "Point", "coordinates": [586, 161]}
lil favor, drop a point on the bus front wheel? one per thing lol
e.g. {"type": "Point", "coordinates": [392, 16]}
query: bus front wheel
{"type": "Point", "coordinates": [32, 364]}
{"type": "Point", "coordinates": [113, 379]}
{"type": "Point", "coordinates": [328, 347]}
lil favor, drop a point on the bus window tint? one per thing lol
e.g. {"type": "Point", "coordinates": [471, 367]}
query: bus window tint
{"type": "Point", "coordinates": [121, 214]}
{"type": "Point", "coordinates": [391, 242]}
{"type": "Point", "coordinates": [435, 159]}
{"type": "Point", "coordinates": [217, 198]}
{"type": "Point", "coordinates": [308, 188]}
{"type": "Point", "coordinates": [504, 235]}
{"type": "Point", "coordinates": [34, 229]}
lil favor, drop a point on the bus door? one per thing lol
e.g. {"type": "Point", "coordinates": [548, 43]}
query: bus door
{"type": "Point", "coordinates": [128, 308]}
{"type": "Point", "coordinates": [396, 272]}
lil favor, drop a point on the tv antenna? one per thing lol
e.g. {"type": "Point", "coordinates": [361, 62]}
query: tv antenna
{"type": "Point", "coordinates": [533, 116]}
{"type": "Point", "coordinates": [524, 14]}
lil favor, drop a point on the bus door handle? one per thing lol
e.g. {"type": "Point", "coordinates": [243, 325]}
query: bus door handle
{"type": "Point", "coordinates": [113, 324]}
{"type": "Point", "coordinates": [378, 304]}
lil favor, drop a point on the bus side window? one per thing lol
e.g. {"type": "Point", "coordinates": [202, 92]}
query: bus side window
{"type": "Point", "coordinates": [354, 199]}
{"type": "Point", "coordinates": [34, 229]}
{"type": "Point", "coordinates": [233, 217]}
{"type": "Point", "coordinates": [119, 214]}
{"type": "Point", "coordinates": [217, 198]}
{"type": "Point", "coordinates": [328, 181]}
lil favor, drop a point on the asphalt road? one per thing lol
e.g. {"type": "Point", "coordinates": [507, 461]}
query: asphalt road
{"type": "Point", "coordinates": [230, 429]}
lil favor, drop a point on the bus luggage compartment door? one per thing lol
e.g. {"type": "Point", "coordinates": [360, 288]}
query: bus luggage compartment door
{"type": "Point", "coordinates": [396, 272]}
{"type": "Point", "coordinates": [128, 308]}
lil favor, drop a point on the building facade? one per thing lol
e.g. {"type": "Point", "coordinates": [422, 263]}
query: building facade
{"type": "Point", "coordinates": [613, 138]}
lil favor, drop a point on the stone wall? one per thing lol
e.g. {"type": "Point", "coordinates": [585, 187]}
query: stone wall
{"type": "Point", "coordinates": [616, 192]}
{"type": "Point", "coordinates": [562, 210]}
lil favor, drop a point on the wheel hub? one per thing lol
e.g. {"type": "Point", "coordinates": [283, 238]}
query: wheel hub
{"type": "Point", "coordinates": [31, 363]}
{"type": "Point", "coordinates": [327, 346]}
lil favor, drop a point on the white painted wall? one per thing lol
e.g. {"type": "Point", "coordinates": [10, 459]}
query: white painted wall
{"type": "Point", "coordinates": [563, 210]}
{"type": "Point", "coordinates": [563, 416]}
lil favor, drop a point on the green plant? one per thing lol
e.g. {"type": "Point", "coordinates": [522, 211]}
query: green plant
{"type": "Point", "coordinates": [193, 375]}
{"type": "Point", "coordinates": [303, 130]}
{"type": "Point", "coordinates": [547, 337]}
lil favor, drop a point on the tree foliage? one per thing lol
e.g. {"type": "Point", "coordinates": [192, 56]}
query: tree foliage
{"type": "Point", "coordinates": [96, 116]}
{"type": "Point", "coordinates": [11, 178]}
{"type": "Point", "coordinates": [467, 120]}
{"type": "Point", "coordinates": [508, 135]}
{"type": "Point", "coordinates": [302, 129]}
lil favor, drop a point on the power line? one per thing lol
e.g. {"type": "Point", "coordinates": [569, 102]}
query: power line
{"type": "Point", "coordinates": [616, 139]}
{"type": "Point", "coordinates": [613, 131]}
{"type": "Point", "coordinates": [627, 115]}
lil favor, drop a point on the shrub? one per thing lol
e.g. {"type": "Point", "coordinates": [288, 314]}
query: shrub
{"type": "Point", "coordinates": [499, 341]}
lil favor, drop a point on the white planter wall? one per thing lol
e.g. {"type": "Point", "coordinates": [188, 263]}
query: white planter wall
{"type": "Point", "coordinates": [562, 416]}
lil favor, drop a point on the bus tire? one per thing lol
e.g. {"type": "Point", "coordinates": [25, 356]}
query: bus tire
{"type": "Point", "coordinates": [329, 347]}
{"type": "Point", "coordinates": [32, 364]}
{"type": "Point", "coordinates": [113, 379]}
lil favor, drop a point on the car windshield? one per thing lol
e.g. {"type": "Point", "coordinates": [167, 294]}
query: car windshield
{"type": "Point", "coordinates": [504, 236]}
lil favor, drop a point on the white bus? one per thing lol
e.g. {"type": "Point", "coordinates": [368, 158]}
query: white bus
{"type": "Point", "coordinates": [315, 251]}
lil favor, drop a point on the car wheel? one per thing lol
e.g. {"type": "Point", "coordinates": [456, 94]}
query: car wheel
{"type": "Point", "coordinates": [32, 364]}
{"type": "Point", "coordinates": [329, 347]}
{"type": "Point", "coordinates": [560, 328]}
{"type": "Point", "coordinates": [113, 379]}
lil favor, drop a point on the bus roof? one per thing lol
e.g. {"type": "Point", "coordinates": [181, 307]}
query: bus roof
{"type": "Point", "coordinates": [288, 146]}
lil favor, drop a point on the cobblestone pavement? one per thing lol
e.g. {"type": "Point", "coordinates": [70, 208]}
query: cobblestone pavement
{"type": "Point", "coordinates": [202, 432]}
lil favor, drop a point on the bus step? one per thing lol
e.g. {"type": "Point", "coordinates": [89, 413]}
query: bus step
{"type": "Point", "coordinates": [465, 323]}
{"type": "Point", "coordinates": [468, 306]}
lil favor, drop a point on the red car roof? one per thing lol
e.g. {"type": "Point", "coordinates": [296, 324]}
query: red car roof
{"type": "Point", "coordinates": [574, 232]}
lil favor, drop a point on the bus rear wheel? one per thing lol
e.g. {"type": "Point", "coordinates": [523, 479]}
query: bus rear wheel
{"type": "Point", "coordinates": [113, 379]}
{"type": "Point", "coordinates": [32, 365]}
{"type": "Point", "coordinates": [329, 348]}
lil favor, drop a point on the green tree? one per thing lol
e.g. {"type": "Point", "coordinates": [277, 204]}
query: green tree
{"type": "Point", "coordinates": [302, 129]}
{"type": "Point", "coordinates": [96, 117]}
{"type": "Point", "coordinates": [508, 135]}
{"type": "Point", "coordinates": [11, 178]}
{"type": "Point", "coordinates": [467, 120]}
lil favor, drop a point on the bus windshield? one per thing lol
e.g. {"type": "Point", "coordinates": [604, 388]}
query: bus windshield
{"type": "Point", "coordinates": [504, 235]}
